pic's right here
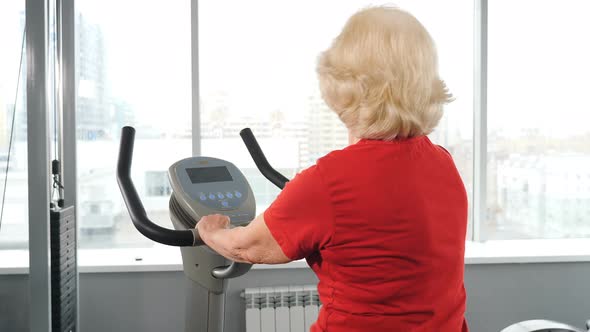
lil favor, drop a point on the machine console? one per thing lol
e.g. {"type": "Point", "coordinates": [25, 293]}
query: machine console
{"type": "Point", "coordinates": [209, 186]}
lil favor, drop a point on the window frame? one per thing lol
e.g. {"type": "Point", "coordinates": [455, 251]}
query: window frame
{"type": "Point", "coordinates": [480, 129]}
{"type": "Point", "coordinates": [476, 252]}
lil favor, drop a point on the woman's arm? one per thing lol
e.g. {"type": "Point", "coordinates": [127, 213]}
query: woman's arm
{"type": "Point", "coordinates": [251, 244]}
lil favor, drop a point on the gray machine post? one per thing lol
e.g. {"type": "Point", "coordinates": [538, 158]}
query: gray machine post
{"type": "Point", "coordinates": [191, 201]}
{"type": "Point", "coordinates": [187, 205]}
{"type": "Point", "coordinates": [201, 186]}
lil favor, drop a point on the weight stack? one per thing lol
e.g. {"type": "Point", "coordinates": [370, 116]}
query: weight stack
{"type": "Point", "coordinates": [64, 276]}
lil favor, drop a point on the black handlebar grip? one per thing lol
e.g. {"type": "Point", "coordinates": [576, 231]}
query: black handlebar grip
{"type": "Point", "coordinates": [179, 238]}
{"type": "Point", "coordinates": [270, 173]}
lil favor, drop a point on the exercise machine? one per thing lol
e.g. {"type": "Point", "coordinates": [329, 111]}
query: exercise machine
{"type": "Point", "coordinates": [540, 325]}
{"type": "Point", "coordinates": [200, 186]}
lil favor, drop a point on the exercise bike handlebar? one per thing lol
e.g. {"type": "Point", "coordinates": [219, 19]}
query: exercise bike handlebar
{"type": "Point", "coordinates": [179, 238]}
{"type": "Point", "coordinates": [270, 173]}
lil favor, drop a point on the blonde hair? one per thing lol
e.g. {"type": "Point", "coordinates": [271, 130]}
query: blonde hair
{"type": "Point", "coordinates": [380, 76]}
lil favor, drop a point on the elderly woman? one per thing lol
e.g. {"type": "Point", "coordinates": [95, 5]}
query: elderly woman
{"type": "Point", "coordinates": [381, 222]}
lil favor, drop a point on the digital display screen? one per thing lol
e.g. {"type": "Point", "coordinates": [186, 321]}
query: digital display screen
{"type": "Point", "coordinates": [209, 174]}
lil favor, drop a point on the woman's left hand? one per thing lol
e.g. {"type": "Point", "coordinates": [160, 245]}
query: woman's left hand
{"type": "Point", "coordinates": [252, 244]}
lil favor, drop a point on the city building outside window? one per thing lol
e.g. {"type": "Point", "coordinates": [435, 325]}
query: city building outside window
{"type": "Point", "coordinates": [260, 73]}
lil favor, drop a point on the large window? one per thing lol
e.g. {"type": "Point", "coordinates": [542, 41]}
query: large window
{"type": "Point", "coordinates": [538, 136]}
{"type": "Point", "coordinates": [134, 69]}
{"type": "Point", "coordinates": [157, 184]}
{"type": "Point", "coordinates": [257, 69]}
{"type": "Point", "coordinates": [13, 128]}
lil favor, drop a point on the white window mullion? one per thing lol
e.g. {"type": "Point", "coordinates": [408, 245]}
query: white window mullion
{"type": "Point", "coordinates": [480, 76]}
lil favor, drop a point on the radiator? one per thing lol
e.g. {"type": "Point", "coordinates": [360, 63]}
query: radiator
{"type": "Point", "coordinates": [281, 309]}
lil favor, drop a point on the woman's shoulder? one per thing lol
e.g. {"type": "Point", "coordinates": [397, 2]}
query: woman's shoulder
{"type": "Point", "coordinates": [376, 147]}
{"type": "Point", "coordinates": [336, 155]}
{"type": "Point", "coordinates": [347, 158]}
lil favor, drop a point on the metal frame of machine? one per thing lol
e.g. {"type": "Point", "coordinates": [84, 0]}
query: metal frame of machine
{"type": "Point", "coordinates": [207, 271]}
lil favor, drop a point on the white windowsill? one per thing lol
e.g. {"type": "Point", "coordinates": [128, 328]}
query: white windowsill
{"type": "Point", "coordinates": [528, 251]}
{"type": "Point", "coordinates": [163, 258]}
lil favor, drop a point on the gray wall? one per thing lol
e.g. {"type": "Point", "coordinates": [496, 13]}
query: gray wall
{"type": "Point", "coordinates": [155, 301]}
{"type": "Point", "coordinates": [498, 295]}
{"type": "Point", "coordinates": [14, 303]}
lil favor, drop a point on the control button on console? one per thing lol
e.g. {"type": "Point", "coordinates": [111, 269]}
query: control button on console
{"type": "Point", "coordinates": [202, 197]}
{"type": "Point", "coordinates": [238, 194]}
{"type": "Point", "coordinates": [229, 195]}
{"type": "Point", "coordinates": [211, 196]}
{"type": "Point", "coordinates": [224, 204]}
{"type": "Point", "coordinates": [220, 195]}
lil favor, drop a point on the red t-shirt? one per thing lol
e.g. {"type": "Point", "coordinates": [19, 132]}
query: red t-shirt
{"type": "Point", "coordinates": [382, 224]}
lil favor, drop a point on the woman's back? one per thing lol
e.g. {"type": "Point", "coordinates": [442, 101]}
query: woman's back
{"type": "Point", "coordinates": [400, 220]}
{"type": "Point", "coordinates": [390, 222]}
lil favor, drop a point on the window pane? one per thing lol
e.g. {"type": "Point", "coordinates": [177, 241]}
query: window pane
{"type": "Point", "coordinates": [134, 69]}
{"type": "Point", "coordinates": [258, 71]}
{"type": "Point", "coordinates": [13, 125]}
{"type": "Point", "coordinates": [539, 138]}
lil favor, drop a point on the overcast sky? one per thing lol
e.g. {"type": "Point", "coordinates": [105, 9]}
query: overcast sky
{"type": "Point", "coordinates": [263, 54]}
